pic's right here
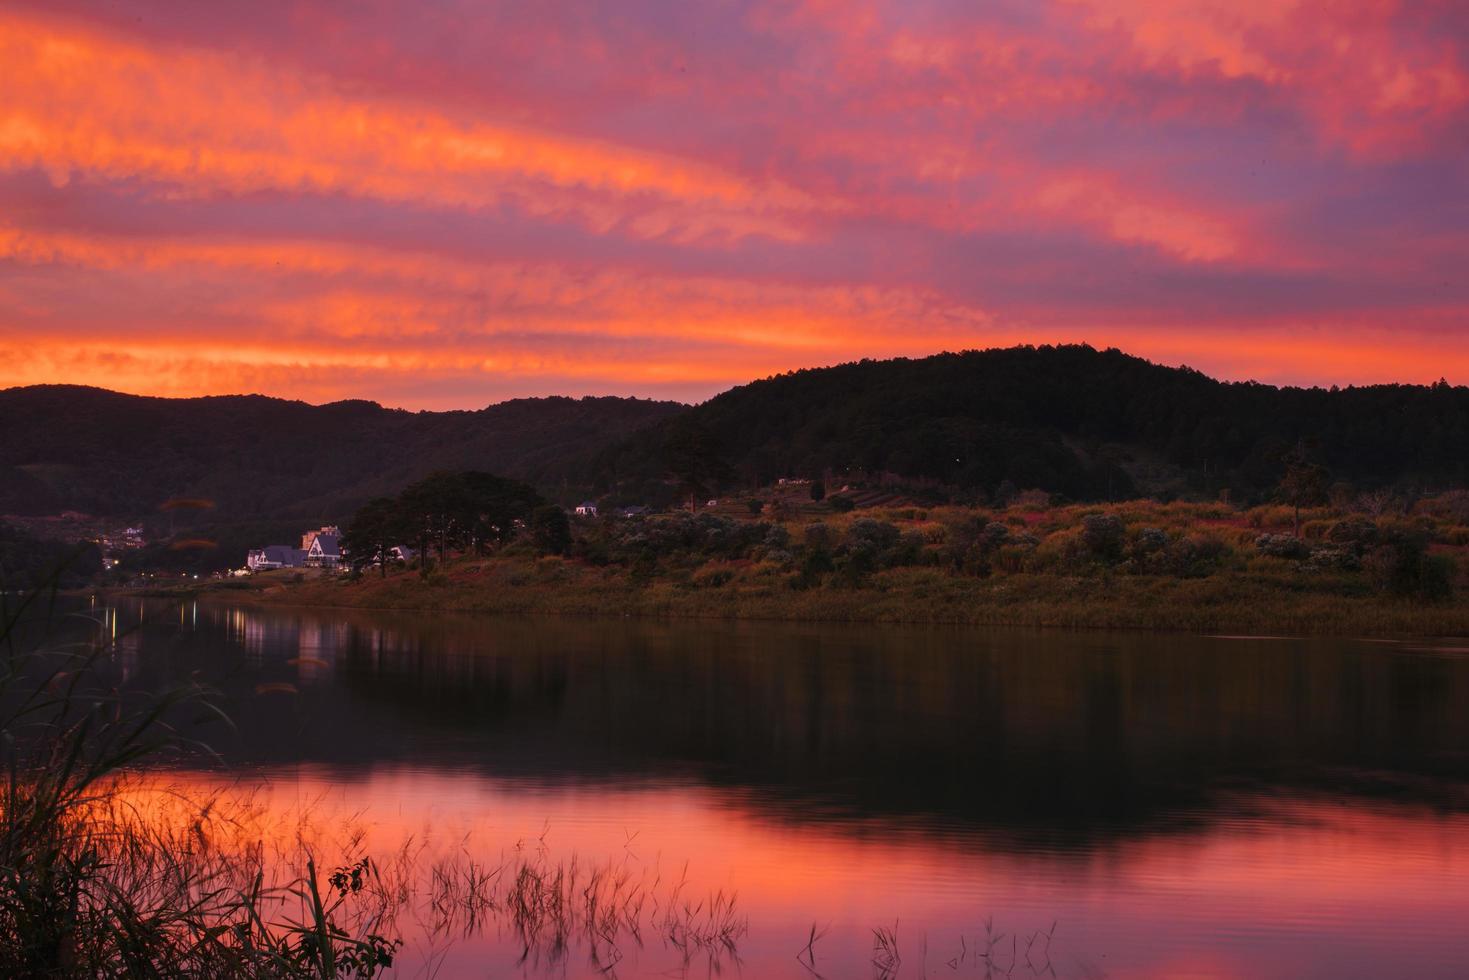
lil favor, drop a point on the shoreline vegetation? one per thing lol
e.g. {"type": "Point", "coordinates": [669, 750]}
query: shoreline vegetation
{"type": "Point", "coordinates": [1139, 565]}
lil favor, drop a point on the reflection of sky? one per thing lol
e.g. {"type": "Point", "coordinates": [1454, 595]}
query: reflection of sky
{"type": "Point", "coordinates": [440, 204]}
{"type": "Point", "coordinates": [1183, 806]}
{"type": "Point", "coordinates": [1304, 888]}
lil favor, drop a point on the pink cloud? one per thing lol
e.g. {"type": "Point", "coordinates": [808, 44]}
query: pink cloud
{"type": "Point", "coordinates": [648, 198]}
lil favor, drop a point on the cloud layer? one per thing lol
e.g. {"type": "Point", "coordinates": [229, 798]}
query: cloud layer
{"type": "Point", "coordinates": [448, 203]}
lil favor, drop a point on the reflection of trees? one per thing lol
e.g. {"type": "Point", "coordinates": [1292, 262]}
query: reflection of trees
{"type": "Point", "coordinates": [1056, 730]}
{"type": "Point", "coordinates": [1071, 735]}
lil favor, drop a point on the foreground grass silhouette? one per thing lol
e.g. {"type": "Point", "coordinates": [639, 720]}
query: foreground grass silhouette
{"type": "Point", "coordinates": [93, 885]}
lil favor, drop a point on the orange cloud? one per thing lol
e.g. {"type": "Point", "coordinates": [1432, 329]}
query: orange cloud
{"type": "Point", "coordinates": [82, 104]}
{"type": "Point", "coordinates": [1253, 188]}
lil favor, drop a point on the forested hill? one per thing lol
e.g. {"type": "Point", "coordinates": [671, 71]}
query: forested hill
{"type": "Point", "coordinates": [1073, 420]}
{"type": "Point", "coordinates": [103, 453]}
{"type": "Point", "coordinates": [1086, 423]}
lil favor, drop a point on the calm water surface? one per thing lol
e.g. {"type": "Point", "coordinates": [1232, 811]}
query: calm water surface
{"type": "Point", "coordinates": [1176, 806]}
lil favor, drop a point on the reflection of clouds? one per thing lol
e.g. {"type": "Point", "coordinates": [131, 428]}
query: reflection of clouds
{"type": "Point", "coordinates": [318, 644]}
{"type": "Point", "coordinates": [1305, 887]}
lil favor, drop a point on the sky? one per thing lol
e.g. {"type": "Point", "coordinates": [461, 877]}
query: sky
{"type": "Point", "coordinates": [447, 203]}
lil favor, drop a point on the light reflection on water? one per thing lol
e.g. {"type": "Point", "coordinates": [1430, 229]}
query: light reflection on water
{"type": "Point", "coordinates": [1177, 806]}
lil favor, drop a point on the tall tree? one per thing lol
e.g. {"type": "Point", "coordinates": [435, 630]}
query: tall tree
{"type": "Point", "coordinates": [550, 530]}
{"type": "Point", "coordinates": [372, 533]}
{"type": "Point", "coordinates": [1304, 483]}
{"type": "Point", "coordinates": [691, 455]}
{"type": "Point", "coordinates": [464, 510]}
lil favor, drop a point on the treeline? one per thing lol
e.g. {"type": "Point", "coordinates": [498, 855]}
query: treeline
{"type": "Point", "coordinates": [1090, 425]}
{"type": "Point", "coordinates": [447, 513]}
{"type": "Point", "coordinates": [29, 562]}
{"type": "Point", "coordinates": [257, 459]}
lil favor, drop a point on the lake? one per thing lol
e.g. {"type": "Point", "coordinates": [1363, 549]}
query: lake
{"type": "Point", "coordinates": [931, 802]}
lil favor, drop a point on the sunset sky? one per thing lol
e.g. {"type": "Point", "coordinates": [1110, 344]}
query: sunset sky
{"type": "Point", "coordinates": [445, 204]}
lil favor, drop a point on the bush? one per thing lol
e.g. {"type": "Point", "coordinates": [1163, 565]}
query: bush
{"type": "Point", "coordinates": [814, 565]}
{"type": "Point", "coordinates": [842, 505]}
{"type": "Point", "coordinates": [1355, 532]}
{"type": "Point", "coordinates": [1282, 546]}
{"type": "Point", "coordinates": [1403, 567]}
{"type": "Point", "coordinates": [1334, 559]}
{"type": "Point", "coordinates": [819, 536]}
{"type": "Point", "coordinates": [877, 536]}
{"type": "Point", "coordinates": [1032, 500]}
{"type": "Point", "coordinates": [550, 530]}
{"type": "Point", "coordinates": [1103, 536]}
{"type": "Point", "coordinates": [712, 576]}
{"type": "Point", "coordinates": [1452, 506]}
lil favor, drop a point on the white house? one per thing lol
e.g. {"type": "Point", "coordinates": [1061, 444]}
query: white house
{"type": "Point", "coordinates": [586, 509]}
{"type": "Point", "coordinates": [311, 536]}
{"type": "Point", "coordinates": [275, 556]}
{"type": "Point", "coordinates": [325, 550]}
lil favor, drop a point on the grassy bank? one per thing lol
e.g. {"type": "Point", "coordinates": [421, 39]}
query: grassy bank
{"type": "Point", "coordinates": [1138, 565]}
{"type": "Point", "coordinates": [1242, 604]}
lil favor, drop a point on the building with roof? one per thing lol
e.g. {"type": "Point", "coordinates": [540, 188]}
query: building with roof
{"type": "Point", "coordinates": [325, 550]}
{"type": "Point", "coordinates": [275, 556]}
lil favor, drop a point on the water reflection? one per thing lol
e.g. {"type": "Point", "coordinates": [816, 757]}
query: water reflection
{"type": "Point", "coordinates": [1184, 806]}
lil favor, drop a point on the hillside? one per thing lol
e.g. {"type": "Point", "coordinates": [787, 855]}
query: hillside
{"type": "Point", "coordinates": [258, 458]}
{"type": "Point", "coordinates": [1073, 420]}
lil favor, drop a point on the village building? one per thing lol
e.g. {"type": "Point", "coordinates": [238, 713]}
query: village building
{"type": "Point", "coordinates": [325, 550]}
{"type": "Point", "coordinates": [310, 536]}
{"type": "Point", "coordinates": [275, 556]}
{"type": "Point", "coordinates": [586, 508]}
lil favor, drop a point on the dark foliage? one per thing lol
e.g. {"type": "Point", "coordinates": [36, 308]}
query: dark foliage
{"type": "Point", "coordinates": [255, 459]}
{"type": "Point", "coordinates": [1065, 419]}
{"type": "Point", "coordinates": [373, 532]}
{"type": "Point", "coordinates": [463, 511]}
{"type": "Point", "coordinates": [550, 530]}
{"type": "Point", "coordinates": [27, 561]}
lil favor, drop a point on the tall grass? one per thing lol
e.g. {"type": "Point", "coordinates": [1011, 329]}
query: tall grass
{"type": "Point", "coordinates": [90, 885]}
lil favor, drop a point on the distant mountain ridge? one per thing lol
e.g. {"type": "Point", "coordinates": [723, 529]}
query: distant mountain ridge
{"type": "Point", "coordinates": [1087, 423]}
{"type": "Point", "coordinates": [64, 447]}
{"type": "Point", "coordinates": [1074, 420]}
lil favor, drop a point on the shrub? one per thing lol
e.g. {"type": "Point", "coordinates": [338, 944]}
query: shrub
{"type": "Point", "coordinates": [814, 565]}
{"type": "Point", "coordinates": [1316, 530]}
{"type": "Point", "coordinates": [1451, 506]}
{"type": "Point", "coordinates": [712, 576]}
{"type": "Point", "coordinates": [908, 550]}
{"type": "Point", "coordinates": [1282, 546]}
{"type": "Point", "coordinates": [935, 533]}
{"type": "Point", "coordinates": [1336, 559]}
{"type": "Point", "coordinates": [819, 536]}
{"type": "Point", "coordinates": [777, 537]}
{"type": "Point", "coordinates": [1032, 500]}
{"type": "Point", "coordinates": [550, 530]}
{"type": "Point", "coordinates": [878, 536]}
{"type": "Point", "coordinates": [1103, 536]}
{"type": "Point", "coordinates": [1355, 532]}
{"type": "Point", "coordinates": [842, 505]}
{"type": "Point", "coordinates": [1403, 567]}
